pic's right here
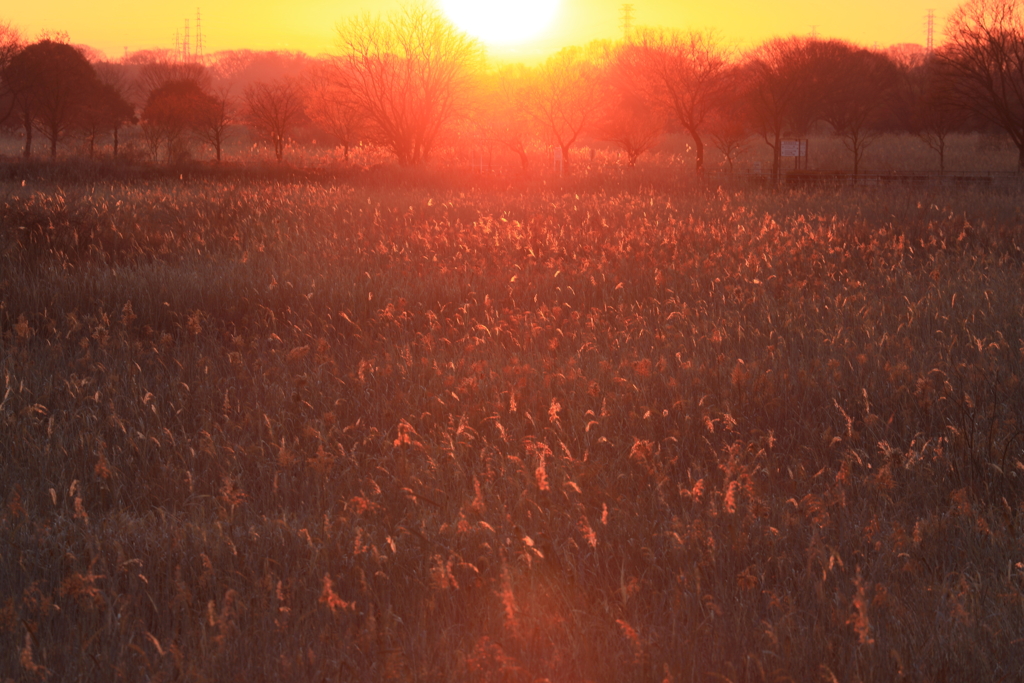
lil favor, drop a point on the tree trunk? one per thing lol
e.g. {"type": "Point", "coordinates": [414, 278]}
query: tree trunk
{"type": "Point", "coordinates": [776, 159]}
{"type": "Point", "coordinates": [524, 160]}
{"type": "Point", "coordinates": [115, 141]}
{"type": "Point", "coordinates": [28, 136]}
{"type": "Point", "coordinates": [53, 147]}
{"type": "Point", "coordinates": [699, 149]}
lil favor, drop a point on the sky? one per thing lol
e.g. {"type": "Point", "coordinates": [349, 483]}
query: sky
{"type": "Point", "coordinates": [113, 26]}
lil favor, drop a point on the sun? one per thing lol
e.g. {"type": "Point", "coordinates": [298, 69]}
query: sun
{"type": "Point", "coordinates": [501, 22]}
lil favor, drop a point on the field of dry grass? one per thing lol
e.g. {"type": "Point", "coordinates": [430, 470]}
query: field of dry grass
{"type": "Point", "coordinates": [438, 431]}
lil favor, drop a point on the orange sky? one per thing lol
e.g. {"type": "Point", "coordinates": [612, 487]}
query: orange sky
{"type": "Point", "coordinates": [309, 25]}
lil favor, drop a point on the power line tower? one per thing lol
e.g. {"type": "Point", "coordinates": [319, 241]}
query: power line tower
{"type": "Point", "coordinates": [626, 20]}
{"type": "Point", "coordinates": [185, 56]}
{"type": "Point", "coordinates": [199, 39]}
{"type": "Point", "coordinates": [930, 28]}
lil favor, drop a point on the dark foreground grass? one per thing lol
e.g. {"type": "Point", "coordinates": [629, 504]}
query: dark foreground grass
{"type": "Point", "coordinates": [256, 430]}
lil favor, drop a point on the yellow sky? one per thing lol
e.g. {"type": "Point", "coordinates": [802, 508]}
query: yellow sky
{"type": "Point", "coordinates": [309, 25]}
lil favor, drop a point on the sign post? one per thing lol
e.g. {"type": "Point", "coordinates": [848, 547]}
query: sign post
{"type": "Point", "coordinates": [796, 149]}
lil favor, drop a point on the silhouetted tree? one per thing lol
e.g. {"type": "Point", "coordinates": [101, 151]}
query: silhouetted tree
{"type": "Point", "coordinates": [566, 96]}
{"type": "Point", "coordinates": [10, 45]}
{"type": "Point", "coordinates": [856, 90]}
{"type": "Point", "coordinates": [116, 76]}
{"type": "Point", "coordinates": [213, 121]}
{"type": "Point", "coordinates": [273, 109]}
{"type": "Point", "coordinates": [687, 73]}
{"type": "Point", "coordinates": [502, 115]}
{"type": "Point", "coordinates": [330, 106]}
{"type": "Point", "coordinates": [173, 111]}
{"type": "Point", "coordinates": [627, 116]}
{"type": "Point", "coordinates": [409, 73]}
{"type": "Point", "coordinates": [779, 91]}
{"type": "Point", "coordinates": [984, 50]}
{"type": "Point", "coordinates": [728, 125]}
{"type": "Point", "coordinates": [105, 110]}
{"type": "Point", "coordinates": [54, 83]}
{"type": "Point", "coordinates": [927, 106]}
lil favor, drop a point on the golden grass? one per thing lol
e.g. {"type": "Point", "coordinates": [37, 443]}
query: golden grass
{"type": "Point", "coordinates": [306, 431]}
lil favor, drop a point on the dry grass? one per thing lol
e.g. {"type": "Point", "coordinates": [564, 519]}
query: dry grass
{"type": "Point", "coordinates": [303, 431]}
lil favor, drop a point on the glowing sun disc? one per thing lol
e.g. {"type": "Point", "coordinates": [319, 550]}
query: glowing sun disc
{"type": "Point", "coordinates": [501, 22]}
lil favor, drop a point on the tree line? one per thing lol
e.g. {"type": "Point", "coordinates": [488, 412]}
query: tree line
{"type": "Point", "coordinates": [410, 81]}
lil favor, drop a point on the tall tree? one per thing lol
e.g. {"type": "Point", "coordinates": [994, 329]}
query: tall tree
{"type": "Point", "coordinates": [501, 112]}
{"type": "Point", "coordinates": [687, 71]}
{"type": "Point", "coordinates": [779, 91]}
{"type": "Point", "coordinates": [566, 95]}
{"type": "Point", "coordinates": [105, 110]}
{"type": "Point", "coordinates": [926, 106]}
{"type": "Point", "coordinates": [856, 91]}
{"type": "Point", "coordinates": [213, 121]}
{"type": "Point", "coordinates": [114, 76]}
{"type": "Point", "coordinates": [10, 45]}
{"type": "Point", "coordinates": [410, 73]}
{"type": "Point", "coordinates": [728, 125]}
{"type": "Point", "coordinates": [54, 82]}
{"type": "Point", "coordinates": [173, 112]}
{"type": "Point", "coordinates": [330, 106]}
{"type": "Point", "coordinates": [984, 50]}
{"type": "Point", "coordinates": [627, 116]}
{"type": "Point", "coordinates": [273, 109]}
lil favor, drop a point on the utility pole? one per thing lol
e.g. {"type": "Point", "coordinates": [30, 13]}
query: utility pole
{"type": "Point", "coordinates": [626, 20]}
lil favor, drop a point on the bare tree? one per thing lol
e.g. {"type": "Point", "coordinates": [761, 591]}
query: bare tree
{"type": "Point", "coordinates": [274, 109]}
{"type": "Point", "coordinates": [105, 110]}
{"type": "Point", "coordinates": [777, 91]}
{"type": "Point", "coordinates": [856, 89]}
{"type": "Point", "coordinates": [927, 107]}
{"type": "Point", "coordinates": [53, 82]}
{"type": "Point", "coordinates": [173, 112]}
{"type": "Point", "coordinates": [330, 106]}
{"type": "Point", "coordinates": [687, 74]}
{"type": "Point", "coordinates": [213, 121]}
{"type": "Point", "coordinates": [10, 45]}
{"type": "Point", "coordinates": [501, 113]}
{"type": "Point", "coordinates": [566, 94]}
{"type": "Point", "coordinates": [728, 125]}
{"type": "Point", "coordinates": [409, 73]}
{"type": "Point", "coordinates": [985, 51]}
{"type": "Point", "coordinates": [627, 116]}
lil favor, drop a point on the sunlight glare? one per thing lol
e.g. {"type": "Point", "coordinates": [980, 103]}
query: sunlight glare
{"type": "Point", "coordinates": [501, 22]}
